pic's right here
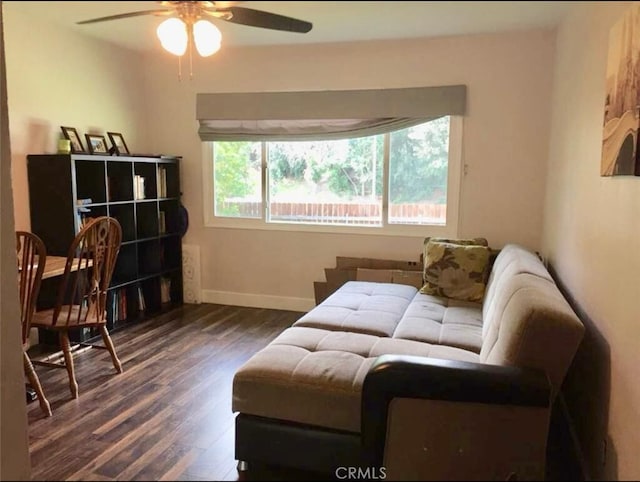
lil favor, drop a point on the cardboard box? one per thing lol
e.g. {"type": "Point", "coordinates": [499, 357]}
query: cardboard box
{"type": "Point", "coordinates": [337, 277]}
{"type": "Point", "coordinates": [320, 291]}
{"type": "Point", "coordinates": [343, 262]}
{"type": "Point", "coordinates": [411, 278]}
{"type": "Point", "coordinates": [377, 275]}
{"type": "Point", "coordinates": [367, 269]}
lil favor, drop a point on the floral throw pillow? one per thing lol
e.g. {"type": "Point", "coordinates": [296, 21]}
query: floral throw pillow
{"type": "Point", "coordinates": [455, 271]}
{"type": "Point", "coordinates": [465, 242]}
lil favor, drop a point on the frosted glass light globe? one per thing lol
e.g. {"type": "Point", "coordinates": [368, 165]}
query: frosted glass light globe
{"type": "Point", "coordinates": [207, 38]}
{"type": "Point", "coordinates": [173, 36]}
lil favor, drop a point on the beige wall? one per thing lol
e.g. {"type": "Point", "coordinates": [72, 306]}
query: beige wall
{"type": "Point", "coordinates": [505, 146]}
{"type": "Point", "coordinates": [14, 454]}
{"type": "Point", "coordinates": [56, 78]}
{"type": "Point", "coordinates": [591, 238]}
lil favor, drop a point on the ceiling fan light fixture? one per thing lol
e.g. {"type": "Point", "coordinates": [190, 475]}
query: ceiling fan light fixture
{"type": "Point", "coordinates": [173, 36]}
{"type": "Point", "coordinates": [207, 38]}
{"type": "Point", "coordinates": [186, 29]}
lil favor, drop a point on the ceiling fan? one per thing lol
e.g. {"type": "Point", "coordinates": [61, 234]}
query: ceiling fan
{"type": "Point", "coordinates": [194, 10]}
{"type": "Point", "coordinates": [187, 24]}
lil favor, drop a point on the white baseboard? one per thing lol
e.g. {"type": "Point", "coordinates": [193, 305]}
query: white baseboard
{"type": "Point", "coordinates": [258, 301]}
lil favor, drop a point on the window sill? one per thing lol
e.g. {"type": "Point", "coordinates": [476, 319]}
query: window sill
{"type": "Point", "coordinates": [388, 230]}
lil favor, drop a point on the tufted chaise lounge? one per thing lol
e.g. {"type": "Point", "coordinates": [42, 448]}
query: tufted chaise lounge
{"type": "Point", "coordinates": [381, 377]}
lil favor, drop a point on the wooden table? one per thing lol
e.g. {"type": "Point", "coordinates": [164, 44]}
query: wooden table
{"type": "Point", "coordinates": [54, 266]}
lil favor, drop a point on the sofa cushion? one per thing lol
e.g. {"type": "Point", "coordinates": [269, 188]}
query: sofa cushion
{"type": "Point", "coordinates": [534, 327]}
{"type": "Point", "coordinates": [361, 307]}
{"type": "Point", "coordinates": [442, 321]}
{"type": "Point", "coordinates": [455, 271]}
{"type": "Point", "coordinates": [315, 377]}
{"type": "Point", "coordinates": [511, 261]}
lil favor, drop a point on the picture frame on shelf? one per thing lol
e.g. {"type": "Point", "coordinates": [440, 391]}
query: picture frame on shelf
{"type": "Point", "coordinates": [72, 134]}
{"type": "Point", "coordinates": [97, 144]}
{"type": "Point", "coordinates": [119, 146]}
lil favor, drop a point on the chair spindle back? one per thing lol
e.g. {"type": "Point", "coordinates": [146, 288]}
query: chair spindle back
{"type": "Point", "coordinates": [32, 256]}
{"type": "Point", "coordinates": [82, 296]}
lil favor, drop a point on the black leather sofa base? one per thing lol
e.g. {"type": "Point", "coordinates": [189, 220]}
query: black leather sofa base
{"type": "Point", "coordinates": [298, 446]}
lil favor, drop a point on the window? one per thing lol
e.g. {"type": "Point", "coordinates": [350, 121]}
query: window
{"type": "Point", "coordinates": [398, 181]}
{"type": "Point", "coordinates": [237, 179]}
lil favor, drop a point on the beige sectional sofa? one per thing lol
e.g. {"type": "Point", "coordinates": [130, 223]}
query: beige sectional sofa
{"type": "Point", "coordinates": [381, 377]}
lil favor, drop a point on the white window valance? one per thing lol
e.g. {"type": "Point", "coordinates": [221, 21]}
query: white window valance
{"type": "Point", "coordinates": [322, 114]}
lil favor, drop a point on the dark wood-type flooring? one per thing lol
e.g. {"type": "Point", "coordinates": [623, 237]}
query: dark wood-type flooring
{"type": "Point", "coordinates": [168, 416]}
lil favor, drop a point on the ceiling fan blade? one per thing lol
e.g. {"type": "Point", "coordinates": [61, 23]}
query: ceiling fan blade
{"type": "Point", "coordinates": [125, 15]}
{"type": "Point", "coordinates": [258, 18]}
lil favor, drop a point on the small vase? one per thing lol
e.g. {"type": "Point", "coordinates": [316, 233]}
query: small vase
{"type": "Point", "coordinates": [64, 146]}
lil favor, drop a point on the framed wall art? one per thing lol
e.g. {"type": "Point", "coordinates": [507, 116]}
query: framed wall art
{"type": "Point", "coordinates": [620, 144]}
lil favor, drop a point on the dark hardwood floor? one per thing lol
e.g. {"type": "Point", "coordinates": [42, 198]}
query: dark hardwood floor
{"type": "Point", "coordinates": [168, 416]}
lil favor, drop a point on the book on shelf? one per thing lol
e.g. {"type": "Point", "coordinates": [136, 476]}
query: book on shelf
{"type": "Point", "coordinates": [123, 303]}
{"type": "Point", "coordinates": [162, 222]}
{"type": "Point", "coordinates": [82, 202]}
{"type": "Point", "coordinates": [119, 305]}
{"type": "Point", "coordinates": [138, 187]}
{"type": "Point", "coordinates": [141, 303]}
{"type": "Point", "coordinates": [162, 181]}
{"type": "Point", "coordinates": [165, 290]}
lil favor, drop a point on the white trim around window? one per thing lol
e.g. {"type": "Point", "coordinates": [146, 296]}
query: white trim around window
{"type": "Point", "coordinates": [454, 179]}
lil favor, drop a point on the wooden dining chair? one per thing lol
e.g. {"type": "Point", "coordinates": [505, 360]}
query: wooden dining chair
{"type": "Point", "coordinates": [32, 256]}
{"type": "Point", "coordinates": [82, 294]}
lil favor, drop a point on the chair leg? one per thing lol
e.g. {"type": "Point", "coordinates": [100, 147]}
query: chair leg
{"type": "Point", "coordinates": [35, 383]}
{"type": "Point", "coordinates": [109, 344]}
{"type": "Point", "coordinates": [68, 361]}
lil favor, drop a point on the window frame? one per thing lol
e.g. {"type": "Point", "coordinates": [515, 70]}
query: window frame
{"type": "Point", "coordinates": [450, 229]}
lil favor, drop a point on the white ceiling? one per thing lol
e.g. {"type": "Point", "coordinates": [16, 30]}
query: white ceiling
{"type": "Point", "coordinates": [332, 21]}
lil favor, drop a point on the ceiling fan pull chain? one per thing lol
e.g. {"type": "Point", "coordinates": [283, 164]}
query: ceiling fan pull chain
{"type": "Point", "coordinates": [191, 54]}
{"type": "Point", "coordinates": [180, 68]}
